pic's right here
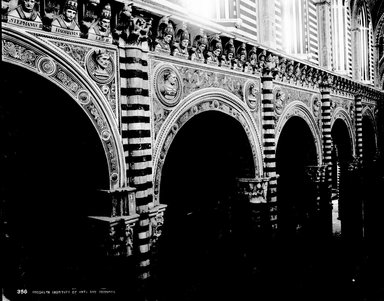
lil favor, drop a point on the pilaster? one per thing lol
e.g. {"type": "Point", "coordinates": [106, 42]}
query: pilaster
{"type": "Point", "coordinates": [267, 23]}
{"type": "Point", "coordinates": [324, 24]}
{"type": "Point", "coordinates": [326, 186]}
{"type": "Point", "coordinates": [269, 133]}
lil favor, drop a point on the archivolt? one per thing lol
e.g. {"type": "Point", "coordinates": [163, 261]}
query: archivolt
{"type": "Point", "coordinates": [297, 108]}
{"type": "Point", "coordinates": [341, 113]}
{"type": "Point", "coordinates": [367, 111]}
{"type": "Point", "coordinates": [210, 99]}
{"type": "Point", "coordinates": [24, 49]}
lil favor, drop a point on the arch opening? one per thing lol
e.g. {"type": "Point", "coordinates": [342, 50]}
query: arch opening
{"type": "Point", "coordinates": [201, 251]}
{"type": "Point", "coordinates": [369, 141]}
{"type": "Point", "coordinates": [53, 164]}
{"type": "Point", "coordinates": [342, 155]}
{"type": "Point", "coordinates": [295, 151]}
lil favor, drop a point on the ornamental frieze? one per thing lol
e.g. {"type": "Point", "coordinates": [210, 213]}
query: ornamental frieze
{"type": "Point", "coordinates": [196, 79]}
{"type": "Point", "coordinates": [193, 79]}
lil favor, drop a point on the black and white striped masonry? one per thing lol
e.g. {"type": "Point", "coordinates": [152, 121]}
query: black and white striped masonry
{"type": "Point", "coordinates": [269, 143]}
{"type": "Point", "coordinates": [136, 134]}
{"type": "Point", "coordinates": [359, 126]}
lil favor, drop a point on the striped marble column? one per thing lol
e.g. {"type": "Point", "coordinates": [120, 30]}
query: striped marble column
{"type": "Point", "coordinates": [359, 126]}
{"type": "Point", "coordinates": [136, 134]}
{"type": "Point", "coordinates": [269, 143]}
{"type": "Point", "coordinates": [326, 202]}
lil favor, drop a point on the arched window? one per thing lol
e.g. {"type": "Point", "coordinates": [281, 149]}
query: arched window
{"type": "Point", "coordinates": [366, 60]}
{"type": "Point", "coordinates": [341, 37]}
{"type": "Point", "coordinates": [296, 28]}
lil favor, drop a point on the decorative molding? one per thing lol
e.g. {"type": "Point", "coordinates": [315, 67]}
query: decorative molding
{"type": "Point", "coordinates": [29, 52]}
{"type": "Point", "coordinates": [210, 99]}
{"type": "Point", "coordinates": [344, 115]}
{"type": "Point", "coordinates": [298, 109]}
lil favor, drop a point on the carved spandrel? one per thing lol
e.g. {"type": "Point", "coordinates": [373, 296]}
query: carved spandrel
{"type": "Point", "coordinates": [195, 79]}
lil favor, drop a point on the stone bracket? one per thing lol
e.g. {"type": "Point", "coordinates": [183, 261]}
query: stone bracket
{"type": "Point", "coordinates": [115, 233]}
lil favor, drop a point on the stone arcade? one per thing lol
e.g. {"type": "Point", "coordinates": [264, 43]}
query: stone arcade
{"type": "Point", "coordinates": [179, 157]}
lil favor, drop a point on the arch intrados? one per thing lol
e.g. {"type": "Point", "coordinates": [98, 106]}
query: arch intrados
{"type": "Point", "coordinates": [209, 99]}
{"type": "Point", "coordinates": [100, 114]}
{"type": "Point", "coordinates": [298, 109]}
{"type": "Point", "coordinates": [368, 114]}
{"type": "Point", "coordinates": [342, 114]}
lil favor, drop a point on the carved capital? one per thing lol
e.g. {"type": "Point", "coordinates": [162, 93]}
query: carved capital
{"type": "Point", "coordinates": [254, 189]}
{"type": "Point", "coordinates": [122, 200]}
{"type": "Point", "coordinates": [315, 173]}
{"type": "Point", "coordinates": [156, 217]}
{"type": "Point", "coordinates": [115, 234]}
{"type": "Point", "coordinates": [355, 165]}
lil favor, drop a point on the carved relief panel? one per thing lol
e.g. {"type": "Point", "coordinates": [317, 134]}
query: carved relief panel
{"type": "Point", "coordinates": [172, 83]}
{"type": "Point", "coordinates": [100, 65]}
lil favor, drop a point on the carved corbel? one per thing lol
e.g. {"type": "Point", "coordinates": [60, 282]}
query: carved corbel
{"type": "Point", "coordinates": [131, 28]}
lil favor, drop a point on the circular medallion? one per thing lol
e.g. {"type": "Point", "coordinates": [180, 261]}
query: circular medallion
{"type": "Point", "coordinates": [279, 100]}
{"type": "Point", "coordinates": [252, 95]}
{"type": "Point", "coordinates": [105, 135]}
{"type": "Point", "coordinates": [100, 66]}
{"type": "Point", "coordinates": [83, 97]}
{"type": "Point", "coordinates": [114, 177]}
{"type": "Point", "coordinates": [168, 85]}
{"type": "Point", "coordinates": [316, 105]}
{"type": "Point", "coordinates": [47, 66]}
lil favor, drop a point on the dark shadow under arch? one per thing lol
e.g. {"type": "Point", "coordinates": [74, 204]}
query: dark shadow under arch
{"type": "Point", "coordinates": [52, 164]}
{"type": "Point", "coordinates": [201, 252]}
{"type": "Point", "coordinates": [295, 150]}
{"type": "Point", "coordinates": [369, 141]}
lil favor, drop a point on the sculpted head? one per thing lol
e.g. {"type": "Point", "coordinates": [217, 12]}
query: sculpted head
{"type": "Point", "coordinates": [28, 5]}
{"type": "Point", "coordinates": [102, 59]}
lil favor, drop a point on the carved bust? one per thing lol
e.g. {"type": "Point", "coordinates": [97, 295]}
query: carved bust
{"type": "Point", "coordinates": [216, 48]}
{"type": "Point", "coordinates": [165, 36]}
{"type": "Point", "coordinates": [26, 11]}
{"type": "Point", "coordinates": [200, 45]}
{"type": "Point", "coordinates": [170, 86]}
{"type": "Point", "coordinates": [101, 30]}
{"type": "Point", "coordinates": [67, 20]}
{"type": "Point", "coordinates": [182, 42]}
